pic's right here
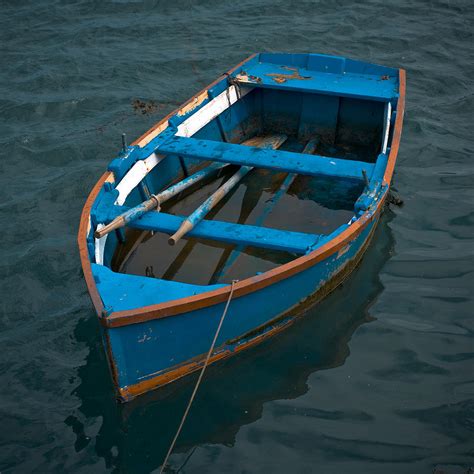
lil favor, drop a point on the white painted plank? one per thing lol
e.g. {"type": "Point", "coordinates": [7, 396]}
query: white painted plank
{"type": "Point", "coordinates": [99, 247]}
{"type": "Point", "coordinates": [133, 177]}
{"type": "Point", "coordinates": [188, 128]}
{"type": "Point", "coordinates": [211, 110]}
{"type": "Point", "coordinates": [386, 126]}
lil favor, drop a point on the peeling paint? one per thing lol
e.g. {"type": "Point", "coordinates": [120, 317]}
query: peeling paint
{"type": "Point", "coordinates": [244, 77]}
{"type": "Point", "coordinates": [144, 338]}
{"type": "Point", "coordinates": [196, 102]}
{"type": "Point", "coordinates": [344, 250]}
{"type": "Point", "coordinates": [280, 78]}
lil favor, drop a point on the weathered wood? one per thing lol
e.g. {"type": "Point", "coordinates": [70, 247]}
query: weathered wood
{"type": "Point", "coordinates": [284, 161]}
{"type": "Point", "coordinates": [198, 215]}
{"type": "Point", "coordinates": [156, 200]}
{"type": "Point", "coordinates": [341, 84]}
{"type": "Point", "coordinates": [227, 232]}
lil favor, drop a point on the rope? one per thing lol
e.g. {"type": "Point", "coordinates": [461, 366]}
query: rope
{"type": "Point", "coordinates": [201, 374]}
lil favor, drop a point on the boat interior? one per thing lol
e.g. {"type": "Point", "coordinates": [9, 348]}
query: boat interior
{"type": "Point", "coordinates": [316, 151]}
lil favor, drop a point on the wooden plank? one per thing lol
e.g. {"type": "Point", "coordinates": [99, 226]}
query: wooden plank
{"type": "Point", "coordinates": [255, 236]}
{"type": "Point", "coordinates": [135, 175]}
{"type": "Point", "coordinates": [211, 110]}
{"type": "Point", "coordinates": [359, 86]}
{"type": "Point", "coordinates": [270, 142]}
{"type": "Point", "coordinates": [386, 126]}
{"type": "Point", "coordinates": [312, 165]}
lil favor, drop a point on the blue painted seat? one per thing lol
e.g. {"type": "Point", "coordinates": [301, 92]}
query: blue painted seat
{"type": "Point", "coordinates": [311, 165]}
{"type": "Point", "coordinates": [121, 292]}
{"type": "Point", "coordinates": [286, 241]}
{"type": "Point", "coordinates": [356, 84]}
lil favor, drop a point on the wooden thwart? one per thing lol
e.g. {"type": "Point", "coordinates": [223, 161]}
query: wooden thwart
{"type": "Point", "coordinates": [272, 142]}
{"type": "Point", "coordinates": [282, 161]}
{"type": "Point", "coordinates": [342, 83]}
{"type": "Point", "coordinates": [227, 232]}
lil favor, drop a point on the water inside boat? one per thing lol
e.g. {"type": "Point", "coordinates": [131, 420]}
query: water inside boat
{"type": "Point", "coordinates": [343, 127]}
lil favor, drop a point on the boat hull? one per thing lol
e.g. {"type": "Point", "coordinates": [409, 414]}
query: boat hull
{"type": "Point", "coordinates": [150, 346]}
{"type": "Point", "coordinates": [153, 353]}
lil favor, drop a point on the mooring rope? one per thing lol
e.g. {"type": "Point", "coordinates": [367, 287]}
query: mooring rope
{"type": "Point", "coordinates": [206, 362]}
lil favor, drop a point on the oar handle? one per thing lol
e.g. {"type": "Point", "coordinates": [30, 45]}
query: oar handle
{"type": "Point", "coordinates": [128, 216]}
{"type": "Point", "coordinates": [185, 227]}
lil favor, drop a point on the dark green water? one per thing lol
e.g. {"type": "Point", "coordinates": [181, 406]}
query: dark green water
{"type": "Point", "coordinates": [379, 378]}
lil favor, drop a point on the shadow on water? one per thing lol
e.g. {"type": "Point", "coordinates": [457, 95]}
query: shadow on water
{"type": "Point", "coordinates": [136, 436]}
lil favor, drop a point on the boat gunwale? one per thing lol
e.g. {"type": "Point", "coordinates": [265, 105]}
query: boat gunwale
{"type": "Point", "coordinates": [248, 285]}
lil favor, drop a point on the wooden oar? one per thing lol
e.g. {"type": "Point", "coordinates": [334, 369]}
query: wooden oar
{"type": "Point", "coordinates": [157, 199]}
{"type": "Point", "coordinates": [273, 141]}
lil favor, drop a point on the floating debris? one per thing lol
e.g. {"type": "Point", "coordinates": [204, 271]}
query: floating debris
{"type": "Point", "coordinates": [143, 107]}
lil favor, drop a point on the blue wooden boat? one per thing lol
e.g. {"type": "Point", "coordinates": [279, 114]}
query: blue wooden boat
{"type": "Point", "coordinates": [303, 136]}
